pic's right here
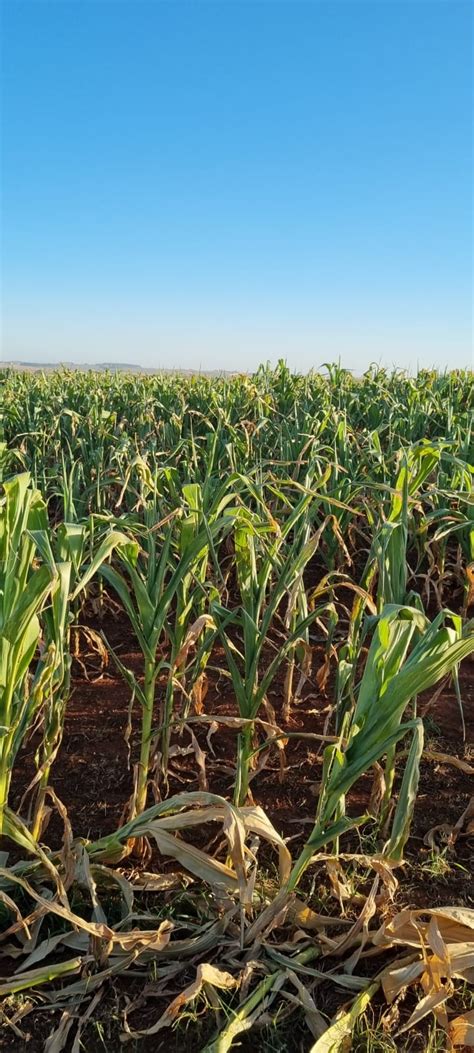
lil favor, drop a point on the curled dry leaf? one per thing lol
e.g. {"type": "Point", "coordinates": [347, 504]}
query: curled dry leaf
{"type": "Point", "coordinates": [200, 757]}
{"type": "Point", "coordinates": [360, 925]}
{"type": "Point", "coordinates": [205, 974]}
{"type": "Point", "coordinates": [448, 833]}
{"type": "Point", "coordinates": [322, 674]}
{"type": "Point", "coordinates": [429, 1004]}
{"type": "Point", "coordinates": [444, 951]}
{"type": "Point", "coordinates": [203, 622]}
{"type": "Point", "coordinates": [155, 939]}
{"type": "Point", "coordinates": [447, 758]}
{"type": "Point", "coordinates": [377, 791]}
{"type": "Point", "coordinates": [301, 914]}
{"type": "Point", "coordinates": [461, 1030]}
{"type": "Point", "coordinates": [149, 882]}
{"type": "Point", "coordinates": [470, 581]}
{"type": "Point", "coordinates": [198, 693]}
{"type": "Point", "coordinates": [456, 925]}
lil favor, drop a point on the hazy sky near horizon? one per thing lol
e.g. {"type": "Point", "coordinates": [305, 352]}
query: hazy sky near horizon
{"type": "Point", "coordinates": [214, 184]}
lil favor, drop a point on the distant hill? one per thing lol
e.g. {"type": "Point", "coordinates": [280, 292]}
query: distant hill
{"type": "Point", "coordinates": [102, 367]}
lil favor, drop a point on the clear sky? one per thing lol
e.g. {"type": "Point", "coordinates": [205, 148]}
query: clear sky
{"type": "Point", "coordinates": [215, 184]}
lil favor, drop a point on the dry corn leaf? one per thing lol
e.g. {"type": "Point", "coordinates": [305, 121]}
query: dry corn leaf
{"type": "Point", "coordinates": [445, 950]}
{"type": "Point", "coordinates": [341, 888]}
{"type": "Point", "coordinates": [206, 974]}
{"type": "Point", "coordinates": [135, 940]}
{"type": "Point", "coordinates": [302, 915]}
{"type": "Point", "coordinates": [56, 1041]}
{"type": "Point", "coordinates": [198, 693]}
{"type": "Point", "coordinates": [456, 925]}
{"type": "Point", "coordinates": [200, 756]}
{"type": "Point", "coordinates": [203, 622]}
{"type": "Point", "coordinates": [314, 1020]}
{"type": "Point", "coordinates": [322, 674]}
{"type": "Point", "coordinates": [270, 918]}
{"type": "Point", "coordinates": [146, 881]}
{"type": "Point", "coordinates": [257, 822]}
{"type": "Point", "coordinates": [361, 924]}
{"type": "Point", "coordinates": [395, 978]}
{"type": "Point", "coordinates": [470, 578]}
{"type": "Point", "coordinates": [447, 758]}
{"type": "Point", "coordinates": [426, 1005]}
{"type": "Point", "coordinates": [203, 866]}
{"type": "Point", "coordinates": [449, 833]}
{"type": "Point", "coordinates": [461, 1030]}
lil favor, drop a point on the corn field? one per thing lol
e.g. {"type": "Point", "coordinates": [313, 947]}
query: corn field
{"type": "Point", "coordinates": [235, 708]}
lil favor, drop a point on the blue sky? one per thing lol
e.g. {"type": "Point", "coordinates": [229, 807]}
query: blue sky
{"type": "Point", "coordinates": [215, 184]}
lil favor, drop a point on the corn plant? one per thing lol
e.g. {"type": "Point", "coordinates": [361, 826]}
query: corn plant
{"type": "Point", "coordinates": [269, 570]}
{"type": "Point", "coordinates": [387, 564]}
{"type": "Point", "coordinates": [154, 576]}
{"type": "Point", "coordinates": [25, 589]}
{"type": "Point", "coordinates": [392, 679]}
{"type": "Point", "coordinates": [65, 553]}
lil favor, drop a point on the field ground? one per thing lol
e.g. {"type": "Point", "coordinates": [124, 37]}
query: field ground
{"type": "Point", "coordinates": [236, 712]}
